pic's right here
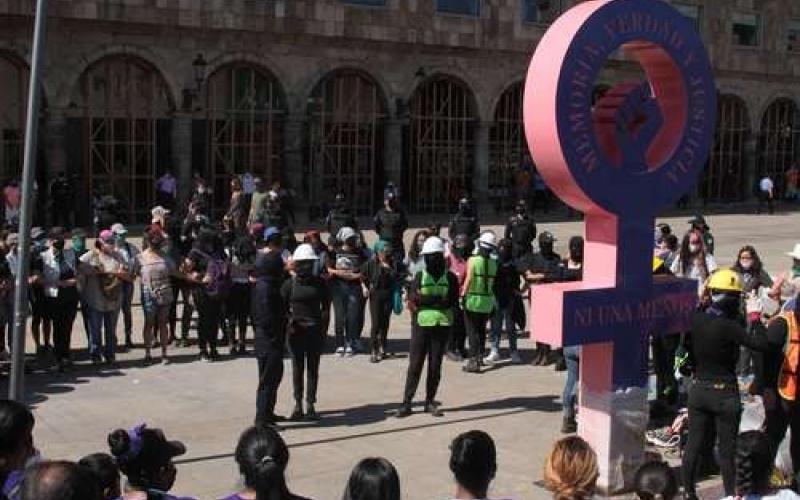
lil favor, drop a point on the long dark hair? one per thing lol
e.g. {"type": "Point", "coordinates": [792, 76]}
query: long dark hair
{"type": "Point", "coordinates": [753, 464]}
{"type": "Point", "coordinates": [416, 248]}
{"type": "Point", "coordinates": [16, 426]}
{"type": "Point", "coordinates": [685, 256]}
{"type": "Point", "coordinates": [373, 479]}
{"type": "Point", "coordinates": [655, 480]}
{"type": "Point", "coordinates": [473, 461]}
{"type": "Point", "coordinates": [757, 265]}
{"type": "Point", "coordinates": [262, 456]}
{"type": "Point", "coordinates": [143, 466]}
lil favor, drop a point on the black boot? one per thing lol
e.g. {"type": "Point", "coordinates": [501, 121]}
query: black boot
{"type": "Point", "coordinates": [297, 413]}
{"type": "Point", "coordinates": [569, 425]}
{"type": "Point", "coordinates": [404, 411]}
{"type": "Point", "coordinates": [433, 409]}
{"type": "Point", "coordinates": [311, 412]}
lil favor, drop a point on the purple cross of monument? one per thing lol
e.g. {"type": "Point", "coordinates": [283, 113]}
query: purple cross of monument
{"type": "Point", "coordinates": [635, 152]}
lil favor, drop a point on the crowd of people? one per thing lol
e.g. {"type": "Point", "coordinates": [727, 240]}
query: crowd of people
{"type": "Point", "coordinates": [250, 271]}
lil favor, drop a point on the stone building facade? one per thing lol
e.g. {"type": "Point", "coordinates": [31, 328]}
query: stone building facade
{"type": "Point", "coordinates": [349, 94]}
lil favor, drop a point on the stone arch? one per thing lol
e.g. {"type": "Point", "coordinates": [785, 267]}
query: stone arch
{"type": "Point", "coordinates": [508, 150]}
{"type": "Point", "coordinates": [725, 177]}
{"type": "Point", "coordinates": [778, 141]}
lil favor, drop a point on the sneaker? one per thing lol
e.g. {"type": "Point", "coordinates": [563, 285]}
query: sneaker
{"type": "Point", "coordinates": [569, 425]}
{"type": "Point", "coordinates": [164, 360]}
{"type": "Point", "coordinates": [340, 351]}
{"type": "Point", "coordinates": [349, 352]}
{"type": "Point", "coordinates": [374, 358]}
{"type": "Point", "coordinates": [297, 413]}
{"type": "Point", "coordinates": [471, 366]}
{"type": "Point", "coordinates": [403, 412]}
{"type": "Point", "coordinates": [516, 358]}
{"type": "Point", "coordinates": [492, 358]}
{"type": "Point", "coordinates": [311, 412]}
{"type": "Point", "coordinates": [663, 438]}
{"type": "Point", "coordinates": [433, 409]}
{"type": "Point", "coordinates": [454, 357]}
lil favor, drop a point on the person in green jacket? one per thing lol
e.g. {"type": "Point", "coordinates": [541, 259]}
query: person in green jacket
{"type": "Point", "coordinates": [478, 295]}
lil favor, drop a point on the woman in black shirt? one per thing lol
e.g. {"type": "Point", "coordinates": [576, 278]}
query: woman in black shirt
{"type": "Point", "coordinates": [305, 296]}
{"type": "Point", "coordinates": [381, 279]}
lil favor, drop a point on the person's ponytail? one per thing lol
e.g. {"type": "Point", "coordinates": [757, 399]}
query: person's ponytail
{"type": "Point", "coordinates": [270, 483]}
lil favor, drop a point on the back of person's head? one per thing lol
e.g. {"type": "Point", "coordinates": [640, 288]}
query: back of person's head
{"type": "Point", "coordinates": [59, 481]}
{"type": "Point", "coordinates": [145, 457]}
{"type": "Point", "coordinates": [105, 469]}
{"type": "Point", "coordinates": [373, 479]}
{"type": "Point", "coordinates": [16, 439]}
{"type": "Point", "coordinates": [262, 456]}
{"type": "Point", "coordinates": [570, 471]}
{"type": "Point", "coordinates": [753, 463]}
{"type": "Point", "coordinates": [655, 481]}
{"type": "Point", "coordinates": [473, 461]}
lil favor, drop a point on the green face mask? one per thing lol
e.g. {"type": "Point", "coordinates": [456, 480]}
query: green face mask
{"type": "Point", "coordinates": [78, 244]}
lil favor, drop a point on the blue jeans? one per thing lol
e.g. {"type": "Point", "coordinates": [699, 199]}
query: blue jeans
{"type": "Point", "coordinates": [103, 342]}
{"type": "Point", "coordinates": [570, 397]}
{"type": "Point", "coordinates": [501, 315]}
{"type": "Point", "coordinates": [349, 309]}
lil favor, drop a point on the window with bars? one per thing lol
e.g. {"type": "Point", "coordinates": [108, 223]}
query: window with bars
{"type": "Point", "coordinates": [540, 11]}
{"type": "Point", "coordinates": [746, 29]}
{"type": "Point", "coordinates": [690, 12]}
{"type": "Point", "coordinates": [463, 7]}
{"type": "Point", "coordinates": [793, 36]}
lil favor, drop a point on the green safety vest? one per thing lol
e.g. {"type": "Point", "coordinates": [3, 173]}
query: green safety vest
{"type": "Point", "coordinates": [480, 296]}
{"type": "Point", "coordinates": [428, 316]}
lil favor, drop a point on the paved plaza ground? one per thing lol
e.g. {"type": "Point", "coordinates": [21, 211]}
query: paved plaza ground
{"type": "Point", "coordinates": [208, 405]}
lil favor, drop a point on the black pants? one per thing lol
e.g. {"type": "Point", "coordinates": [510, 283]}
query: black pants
{"type": "Point", "coordinates": [664, 347]}
{"type": "Point", "coordinates": [780, 416]}
{"type": "Point", "coordinates": [709, 407]}
{"type": "Point", "coordinates": [209, 313]}
{"type": "Point", "coordinates": [61, 311]}
{"type": "Point", "coordinates": [237, 310]}
{"type": "Point", "coordinates": [744, 365]}
{"type": "Point", "coordinates": [764, 197]}
{"type": "Point", "coordinates": [270, 374]}
{"type": "Point", "coordinates": [458, 334]}
{"type": "Point", "coordinates": [380, 310]}
{"type": "Point", "coordinates": [476, 331]}
{"type": "Point", "coordinates": [186, 313]}
{"type": "Point", "coordinates": [305, 345]}
{"type": "Point", "coordinates": [430, 343]}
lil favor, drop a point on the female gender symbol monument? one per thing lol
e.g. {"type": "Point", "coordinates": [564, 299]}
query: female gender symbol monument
{"type": "Point", "coordinates": [636, 151]}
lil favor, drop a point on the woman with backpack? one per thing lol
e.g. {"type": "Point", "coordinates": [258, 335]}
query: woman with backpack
{"type": "Point", "coordinates": [305, 296]}
{"type": "Point", "coordinates": [207, 268]}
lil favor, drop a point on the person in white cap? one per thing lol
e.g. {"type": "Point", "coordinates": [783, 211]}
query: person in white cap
{"type": "Point", "coordinates": [306, 297]}
{"type": "Point", "coordinates": [128, 252]}
{"type": "Point", "coordinates": [787, 284]}
{"type": "Point", "coordinates": [433, 298]}
{"type": "Point", "coordinates": [479, 298]}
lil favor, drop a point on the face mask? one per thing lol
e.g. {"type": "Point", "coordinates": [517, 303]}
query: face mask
{"type": "Point", "coordinates": [120, 238]}
{"type": "Point", "coordinates": [201, 190]}
{"type": "Point", "coordinates": [694, 247]}
{"type": "Point", "coordinates": [58, 244]}
{"type": "Point", "coordinates": [726, 302]}
{"type": "Point", "coordinates": [434, 263]}
{"type": "Point", "coordinates": [546, 248]}
{"type": "Point", "coordinates": [746, 264]}
{"type": "Point", "coordinates": [78, 244]}
{"type": "Point", "coordinates": [304, 267]}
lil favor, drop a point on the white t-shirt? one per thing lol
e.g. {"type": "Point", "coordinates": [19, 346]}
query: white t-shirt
{"type": "Point", "coordinates": [766, 184]}
{"type": "Point", "coordinates": [779, 495]}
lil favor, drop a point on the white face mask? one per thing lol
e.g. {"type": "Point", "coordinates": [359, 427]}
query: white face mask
{"type": "Point", "coordinates": [694, 247]}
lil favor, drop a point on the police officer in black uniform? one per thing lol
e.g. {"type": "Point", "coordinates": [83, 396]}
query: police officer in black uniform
{"type": "Point", "coordinates": [465, 221]}
{"type": "Point", "coordinates": [390, 224]}
{"type": "Point", "coordinates": [521, 230]}
{"type": "Point", "coordinates": [340, 216]}
{"type": "Point", "coordinates": [273, 216]}
{"type": "Point", "coordinates": [538, 268]}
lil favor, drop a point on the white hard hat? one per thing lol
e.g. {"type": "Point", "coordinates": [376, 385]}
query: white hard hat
{"type": "Point", "coordinates": [346, 233]}
{"type": "Point", "coordinates": [433, 244]}
{"type": "Point", "coordinates": [488, 240]}
{"type": "Point", "coordinates": [304, 252]}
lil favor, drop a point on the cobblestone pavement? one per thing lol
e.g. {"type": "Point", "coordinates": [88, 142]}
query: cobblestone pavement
{"type": "Point", "coordinates": [208, 405]}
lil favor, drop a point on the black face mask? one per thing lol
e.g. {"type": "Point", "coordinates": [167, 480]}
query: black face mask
{"type": "Point", "coordinates": [58, 244]}
{"type": "Point", "coordinates": [520, 211]}
{"type": "Point", "coordinates": [546, 248]}
{"type": "Point", "coordinates": [304, 268]}
{"type": "Point", "coordinates": [434, 263]}
{"type": "Point", "coordinates": [728, 303]}
{"type": "Point", "coordinates": [504, 253]}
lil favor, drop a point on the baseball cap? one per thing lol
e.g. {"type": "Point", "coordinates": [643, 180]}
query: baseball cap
{"type": "Point", "coordinates": [119, 228]}
{"type": "Point", "coordinates": [106, 235]}
{"type": "Point", "coordinates": [271, 232]}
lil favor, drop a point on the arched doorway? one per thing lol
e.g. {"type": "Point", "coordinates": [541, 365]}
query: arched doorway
{"type": "Point", "coordinates": [14, 78]}
{"type": "Point", "coordinates": [724, 176]}
{"type": "Point", "coordinates": [346, 114]}
{"type": "Point", "coordinates": [778, 142]}
{"type": "Point", "coordinates": [127, 131]}
{"type": "Point", "coordinates": [245, 112]}
{"type": "Point", "coordinates": [507, 149]}
{"type": "Point", "coordinates": [441, 138]}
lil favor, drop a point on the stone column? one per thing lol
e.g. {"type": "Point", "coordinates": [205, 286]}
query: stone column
{"type": "Point", "coordinates": [182, 154]}
{"type": "Point", "coordinates": [393, 152]}
{"type": "Point", "coordinates": [750, 167]}
{"type": "Point", "coordinates": [480, 174]}
{"type": "Point", "coordinates": [295, 171]}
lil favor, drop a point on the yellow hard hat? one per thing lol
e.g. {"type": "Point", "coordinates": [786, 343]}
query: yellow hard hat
{"type": "Point", "coordinates": [726, 280]}
{"type": "Point", "coordinates": [657, 263]}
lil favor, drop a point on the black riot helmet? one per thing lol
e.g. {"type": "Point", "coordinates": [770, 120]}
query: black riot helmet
{"type": "Point", "coordinates": [521, 207]}
{"type": "Point", "coordinates": [464, 206]}
{"type": "Point", "coordinates": [546, 241]}
{"type": "Point", "coordinates": [340, 200]}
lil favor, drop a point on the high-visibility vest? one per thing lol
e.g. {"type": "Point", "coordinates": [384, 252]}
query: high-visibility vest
{"type": "Point", "coordinates": [431, 316]}
{"type": "Point", "coordinates": [480, 296]}
{"type": "Point", "coordinates": [787, 380]}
